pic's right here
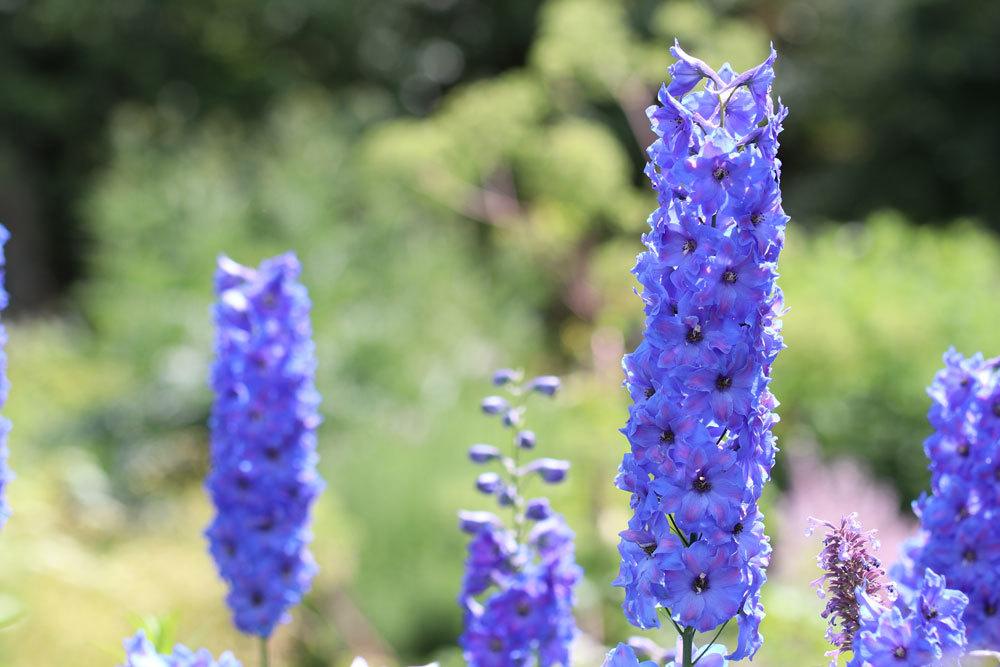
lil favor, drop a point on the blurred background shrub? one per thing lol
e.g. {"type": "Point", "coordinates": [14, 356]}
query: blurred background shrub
{"type": "Point", "coordinates": [462, 181]}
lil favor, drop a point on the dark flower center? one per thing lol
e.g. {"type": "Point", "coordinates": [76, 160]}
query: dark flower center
{"type": "Point", "coordinates": [667, 436]}
{"type": "Point", "coordinates": [996, 408]}
{"type": "Point", "coordinates": [756, 219]}
{"type": "Point", "coordinates": [899, 652]}
{"type": "Point", "coordinates": [729, 276]}
{"type": "Point", "coordinates": [719, 173]}
{"type": "Point", "coordinates": [650, 391]}
{"type": "Point", "coordinates": [963, 449]}
{"type": "Point", "coordinates": [930, 613]}
{"type": "Point", "coordinates": [256, 598]}
{"type": "Point", "coordinates": [272, 453]}
{"type": "Point", "coordinates": [496, 645]}
{"type": "Point", "coordinates": [649, 547]}
{"type": "Point", "coordinates": [723, 382]}
{"type": "Point", "coordinates": [690, 245]}
{"type": "Point", "coordinates": [738, 528]}
{"type": "Point", "coordinates": [700, 583]}
{"type": "Point", "coordinates": [969, 556]}
{"type": "Point", "coordinates": [701, 483]}
{"type": "Point", "coordinates": [523, 608]}
{"type": "Point", "coordinates": [989, 608]}
{"type": "Point", "coordinates": [694, 334]}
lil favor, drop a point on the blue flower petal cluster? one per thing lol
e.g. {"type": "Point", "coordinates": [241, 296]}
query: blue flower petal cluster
{"type": "Point", "coordinates": [263, 478]}
{"type": "Point", "coordinates": [140, 652]}
{"type": "Point", "coordinates": [5, 474]}
{"type": "Point", "coordinates": [632, 654]}
{"type": "Point", "coordinates": [701, 419]}
{"type": "Point", "coordinates": [960, 518]}
{"type": "Point", "coordinates": [921, 629]}
{"type": "Point", "coordinates": [518, 589]}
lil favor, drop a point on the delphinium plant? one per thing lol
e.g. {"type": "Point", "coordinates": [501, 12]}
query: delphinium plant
{"type": "Point", "coordinates": [263, 478]}
{"type": "Point", "coordinates": [517, 592]}
{"type": "Point", "coordinates": [700, 423]}
{"type": "Point", "coordinates": [140, 652]}
{"type": "Point", "coordinates": [960, 519]}
{"type": "Point", "coordinates": [869, 619]}
{"type": "Point", "coordinates": [5, 473]}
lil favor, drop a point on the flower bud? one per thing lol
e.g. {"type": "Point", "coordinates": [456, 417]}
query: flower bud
{"type": "Point", "coordinates": [552, 471]}
{"type": "Point", "coordinates": [545, 384]}
{"type": "Point", "coordinates": [494, 405]}
{"type": "Point", "coordinates": [512, 417]}
{"type": "Point", "coordinates": [483, 453]}
{"type": "Point", "coordinates": [538, 509]}
{"type": "Point", "coordinates": [526, 439]}
{"type": "Point", "coordinates": [473, 522]}
{"type": "Point", "coordinates": [504, 376]}
{"type": "Point", "coordinates": [488, 482]}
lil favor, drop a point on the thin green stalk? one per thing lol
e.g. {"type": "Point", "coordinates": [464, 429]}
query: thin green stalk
{"type": "Point", "coordinates": [709, 644]}
{"type": "Point", "coordinates": [264, 659]}
{"type": "Point", "coordinates": [687, 647]}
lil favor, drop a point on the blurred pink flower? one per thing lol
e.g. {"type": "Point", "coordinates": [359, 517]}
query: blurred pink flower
{"type": "Point", "coordinates": [831, 489]}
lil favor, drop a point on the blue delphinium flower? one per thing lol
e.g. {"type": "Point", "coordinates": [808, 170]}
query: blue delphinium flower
{"type": "Point", "coordinates": [700, 423]}
{"type": "Point", "coordinates": [960, 518]}
{"type": "Point", "coordinates": [517, 592]}
{"type": "Point", "coordinates": [140, 652]}
{"type": "Point", "coordinates": [263, 478]}
{"type": "Point", "coordinates": [643, 652]}
{"type": "Point", "coordinates": [917, 627]}
{"type": "Point", "coordinates": [5, 473]}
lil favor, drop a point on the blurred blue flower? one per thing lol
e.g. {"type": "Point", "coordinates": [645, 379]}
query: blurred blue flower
{"type": "Point", "coordinates": [5, 473]}
{"type": "Point", "coordinates": [263, 478]}
{"type": "Point", "coordinates": [518, 590]}
{"type": "Point", "coordinates": [140, 652]}
{"type": "Point", "coordinates": [960, 517]}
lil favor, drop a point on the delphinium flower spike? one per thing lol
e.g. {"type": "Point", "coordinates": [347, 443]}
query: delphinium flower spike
{"type": "Point", "coordinates": [263, 478]}
{"type": "Point", "coordinates": [5, 473]}
{"type": "Point", "coordinates": [140, 652]}
{"type": "Point", "coordinates": [517, 593]}
{"type": "Point", "coordinates": [960, 518]}
{"type": "Point", "coordinates": [700, 423]}
{"type": "Point", "coordinates": [868, 619]}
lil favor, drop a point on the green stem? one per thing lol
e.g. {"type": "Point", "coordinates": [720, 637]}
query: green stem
{"type": "Point", "coordinates": [709, 644]}
{"type": "Point", "coordinates": [673, 523]}
{"type": "Point", "coordinates": [264, 659]}
{"type": "Point", "coordinates": [687, 647]}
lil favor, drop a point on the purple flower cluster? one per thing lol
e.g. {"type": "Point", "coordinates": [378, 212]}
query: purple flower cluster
{"type": "Point", "coordinates": [700, 426]}
{"type": "Point", "coordinates": [263, 477]}
{"type": "Point", "coordinates": [5, 473]}
{"type": "Point", "coordinates": [849, 564]}
{"type": "Point", "coordinates": [140, 652]}
{"type": "Point", "coordinates": [920, 627]}
{"type": "Point", "coordinates": [960, 519]}
{"type": "Point", "coordinates": [517, 592]}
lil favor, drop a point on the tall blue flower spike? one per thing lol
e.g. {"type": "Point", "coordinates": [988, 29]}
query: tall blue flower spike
{"type": "Point", "coordinates": [517, 593]}
{"type": "Point", "coordinates": [263, 478]}
{"type": "Point", "coordinates": [960, 518]}
{"type": "Point", "coordinates": [5, 474]}
{"type": "Point", "coordinates": [700, 424]}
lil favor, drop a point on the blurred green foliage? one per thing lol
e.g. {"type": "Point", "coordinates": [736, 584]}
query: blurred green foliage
{"type": "Point", "coordinates": [498, 229]}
